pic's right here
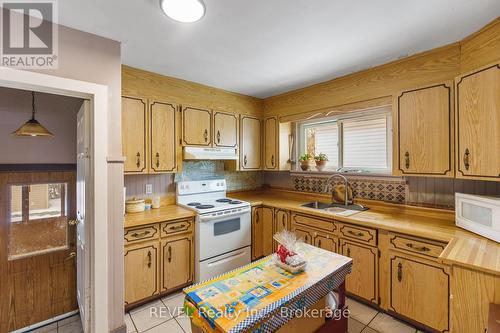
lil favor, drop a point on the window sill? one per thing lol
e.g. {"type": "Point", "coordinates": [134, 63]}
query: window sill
{"type": "Point", "coordinates": [328, 173]}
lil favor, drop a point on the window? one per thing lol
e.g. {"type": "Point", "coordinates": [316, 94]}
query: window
{"type": "Point", "coordinates": [357, 143]}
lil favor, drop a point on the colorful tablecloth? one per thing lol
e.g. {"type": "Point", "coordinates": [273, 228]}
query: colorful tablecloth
{"type": "Point", "coordinates": [250, 297]}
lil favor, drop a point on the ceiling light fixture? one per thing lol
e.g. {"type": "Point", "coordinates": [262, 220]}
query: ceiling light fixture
{"type": "Point", "coordinates": [32, 127]}
{"type": "Point", "coordinates": [186, 11]}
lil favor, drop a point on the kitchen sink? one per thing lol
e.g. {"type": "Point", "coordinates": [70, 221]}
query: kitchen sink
{"type": "Point", "coordinates": [336, 208]}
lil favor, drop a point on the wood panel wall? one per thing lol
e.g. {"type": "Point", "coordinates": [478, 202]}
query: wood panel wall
{"type": "Point", "coordinates": [137, 82]}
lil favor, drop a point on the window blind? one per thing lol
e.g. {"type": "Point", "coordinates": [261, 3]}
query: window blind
{"type": "Point", "coordinates": [326, 141]}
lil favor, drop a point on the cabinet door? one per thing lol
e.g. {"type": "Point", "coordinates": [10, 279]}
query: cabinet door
{"type": "Point", "coordinates": [420, 291]}
{"type": "Point", "coordinates": [267, 226]}
{"type": "Point", "coordinates": [304, 234]}
{"type": "Point", "coordinates": [326, 242]}
{"type": "Point", "coordinates": [196, 127]}
{"type": "Point", "coordinates": [134, 135]}
{"type": "Point", "coordinates": [176, 259]}
{"type": "Point", "coordinates": [250, 143]}
{"type": "Point", "coordinates": [424, 131]}
{"type": "Point", "coordinates": [281, 222]}
{"type": "Point", "coordinates": [225, 129]}
{"type": "Point", "coordinates": [270, 143]}
{"type": "Point", "coordinates": [141, 271]}
{"type": "Point", "coordinates": [257, 233]}
{"type": "Point", "coordinates": [362, 281]}
{"type": "Point", "coordinates": [478, 124]}
{"type": "Point", "coordinates": [163, 125]}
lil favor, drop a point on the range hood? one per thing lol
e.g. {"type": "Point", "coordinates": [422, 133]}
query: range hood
{"type": "Point", "coordinates": [200, 153]}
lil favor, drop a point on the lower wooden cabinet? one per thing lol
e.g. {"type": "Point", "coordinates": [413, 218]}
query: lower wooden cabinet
{"type": "Point", "coordinates": [158, 264]}
{"type": "Point", "coordinates": [363, 280]}
{"type": "Point", "coordinates": [419, 290]}
{"type": "Point", "coordinates": [281, 222]}
{"type": "Point", "coordinates": [262, 231]}
{"type": "Point", "coordinates": [326, 242]}
{"type": "Point", "coordinates": [176, 260]}
{"type": "Point", "coordinates": [141, 271]}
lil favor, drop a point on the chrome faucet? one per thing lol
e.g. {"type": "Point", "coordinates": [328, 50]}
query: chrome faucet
{"type": "Point", "coordinates": [346, 184]}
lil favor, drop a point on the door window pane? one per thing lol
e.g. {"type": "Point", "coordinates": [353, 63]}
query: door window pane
{"type": "Point", "coordinates": [38, 221]}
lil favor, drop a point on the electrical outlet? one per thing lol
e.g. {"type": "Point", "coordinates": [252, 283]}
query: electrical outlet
{"type": "Point", "coordinates": [149, 189]}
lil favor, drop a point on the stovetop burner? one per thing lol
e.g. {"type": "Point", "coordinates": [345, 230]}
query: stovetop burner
{"type": "Point", "coordinates": [193, 204]}
{"type": "Point", "coordinates": [204, 206]}
{"type": "Point", "coordinates": [223, 200]}
{"type": "Point", "coordinates": [234, 202]}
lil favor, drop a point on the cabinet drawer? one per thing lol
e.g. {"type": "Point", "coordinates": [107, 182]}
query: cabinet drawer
{"type": "Point", "coordinates": [139, 234]}
{"type": "Point", "coordinates": [170, 228]}
{"type": "Point", "coordinates": [361, 234]}
{"type": "Point", "coordinates": [314, 222]}
{"type": "Point", "coordinates": [418, 246]}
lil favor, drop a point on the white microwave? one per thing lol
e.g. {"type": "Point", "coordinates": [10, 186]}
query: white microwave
{"type": "Point", "coordinates": [479, 214]}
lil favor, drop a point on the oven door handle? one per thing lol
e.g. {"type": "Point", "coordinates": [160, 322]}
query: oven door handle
{"type": "Point", "coordinates": [226, 259]}
{"type": "Point", "coordinates": [222, 217]}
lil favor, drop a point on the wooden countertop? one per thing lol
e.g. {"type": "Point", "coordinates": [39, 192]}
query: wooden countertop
{"type": "Point", "coordinates": [164, 213]}
{"type": "Point", "coordinates": [463, 249]}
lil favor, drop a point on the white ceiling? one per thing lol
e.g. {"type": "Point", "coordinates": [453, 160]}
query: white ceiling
{"type": "Point", "coordinates": [265, 47]}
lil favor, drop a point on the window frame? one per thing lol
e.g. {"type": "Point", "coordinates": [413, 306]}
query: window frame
{"type": "Point", "coordinates": [377, 113]}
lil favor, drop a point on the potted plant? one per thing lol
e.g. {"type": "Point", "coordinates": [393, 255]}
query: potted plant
{"type": "Point", "coordinates": [305, 161]}
{"type": "Point", "coordinates": [321, 160]}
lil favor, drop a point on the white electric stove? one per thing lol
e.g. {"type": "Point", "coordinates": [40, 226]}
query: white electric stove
{"type": "Point", "coordinates": [223, 227]}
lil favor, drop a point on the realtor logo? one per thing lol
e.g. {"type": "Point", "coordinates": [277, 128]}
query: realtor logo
{"type": "Point", "coordinates": [29, 34]}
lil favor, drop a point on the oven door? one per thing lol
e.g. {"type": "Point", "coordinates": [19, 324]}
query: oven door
{"type": "Point", "coordinates": [224, 263]}
{"type": "Point", "coordinates": [222, 235]}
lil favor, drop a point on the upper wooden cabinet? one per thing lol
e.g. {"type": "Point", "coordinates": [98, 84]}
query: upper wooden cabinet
{"type": "Point", "coordinates": [196, 126]}
{"type": "Point", "coordinates": [478, 124]}
{"type": "Point", "coordinates": [150, 136]}
{"type": "Point", "coordinates": [277, 143]}
{"type": "Point", "coordinates": [250, 142]}
{"type": "Point", "coordinates": [225, 129]}
{"type": "Point", "coordinates": [423, 131]}
{"type": "Point", "coordinates": [134, 134]}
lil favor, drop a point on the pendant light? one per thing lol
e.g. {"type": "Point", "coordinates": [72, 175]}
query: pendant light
{"type": "Point", "coordinates": [186, 11]}
{"type": "Point", "coordinates": [32, 127]}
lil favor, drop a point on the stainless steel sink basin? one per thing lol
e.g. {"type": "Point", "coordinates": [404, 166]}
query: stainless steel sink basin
{"type": "Point", "coordinates": [335, 208]}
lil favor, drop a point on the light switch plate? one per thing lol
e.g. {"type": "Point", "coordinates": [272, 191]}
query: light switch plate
{"type": "Point", "coordinates": [149, 188]}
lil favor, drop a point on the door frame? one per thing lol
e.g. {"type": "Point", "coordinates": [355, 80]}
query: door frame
{"type": "Point", "coordinates": [98, 182]}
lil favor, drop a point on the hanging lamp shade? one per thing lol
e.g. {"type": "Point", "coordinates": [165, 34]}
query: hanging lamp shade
{"type": "Point", "coordinates": [32, 127]}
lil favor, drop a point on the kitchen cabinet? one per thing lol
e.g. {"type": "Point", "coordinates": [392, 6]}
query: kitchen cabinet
{"type": "Point", "coordinates": [176, 255]}
{"type": "Point", "coordinates": [250, 143]}
{"type": "Point", "coordinates": [419, 290]}
{"type": "Point", "coordinates": [196, 126]}
{"type": "Point", "coordinates": [141, 271]}
{"type": "Point", "coordinates": [267, 230]}
{"type": "Point", "coordinates": [326, 242]}
{"type": "Point", "coordinates": [423, 131]}
{"type": "Point", "coordinates": [281, 222]}
{"type": "Point", "coordinates": [257, 233]}
{"type": "Point", "coordinates": [134, 134]}
{"type": "Point", "coordinates": [270, 142]}
{"type": "Point", "coordinates": [150, 136]}
{"type": "Point", "coordinates": [363, 280]}
{"type": "Point", "coordinates": [225, 129]}
{"type": "Point", "coordinates": [478, 124]}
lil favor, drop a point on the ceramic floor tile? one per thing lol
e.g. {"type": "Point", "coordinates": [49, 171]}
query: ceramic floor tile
{"type": "Point", "coordinates": [51, 328]}
{"type": "Point", "coordinates": [368, 330]}
{"type": "Point", "coordinates": [185, 323]}
{"type": "Point", "coordinates": [170, 326]}
{"type": "Point", "coordinates": [72, 327]}
{"type": "Point", "coordinates": [175, 303]}
{"type": "Point", "coordinates": [69, 320]}
{"type": "Point", "coordinates": [150, 316]}
{"type": "Point", "coordinates": [387, 324]}
{"type": "Point", "coordinates": [157, 302]}
{"type": "Point", "coordinates": [129, 323]}
{"type": "Point", "coordinates": [360, 312]}
{"type": "Point", "coordinates": [355, 326]}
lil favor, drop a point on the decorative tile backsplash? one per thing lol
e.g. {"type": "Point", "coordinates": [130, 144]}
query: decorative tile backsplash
{"type": "Point", "coordinates": [390, 190]}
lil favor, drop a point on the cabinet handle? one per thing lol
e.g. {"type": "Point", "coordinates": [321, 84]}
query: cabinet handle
{"type": "Point", "coordinates": [257, 217]}
{"type": "Point", "coordinates": [177, 227]}
{"type": "Point", "coordinates": [272, 160]}
{"type": "Point", "coordinates": [407, 160]}
{"type": "Point", "coordinates": [418, 248]}
{"type": "Point", "coordinates": [157, 160]}
{"type": "Point", "coordinates": [357, 234]}
{"type": "Point", "coordinates": [149, 259]}
{"type": "Point", "coordinates": [466, 159]}
{"type": "Point", "coordinates": [245, 160]}
{"type": "Point", "coordinates": [400, 272]}
{"type": "Point", "coordinates": [349, 252]}
{"type": "Point", "coordinates": [138, 163]}
{"type": "Point", "coordinates": [205, 135]}
{"type": "Point", "coordinates": [319, 243]}
{"type": "Point", "coordinates": [283, 221]}
{"type": "Point", "coordinates": [306, 237]}
{"type": "Point", "coordinates": [169, 254]}
{"type": "Point", "coordinates": [218, 136]}
{"type": "Point", "coordinates": [140, 234]}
